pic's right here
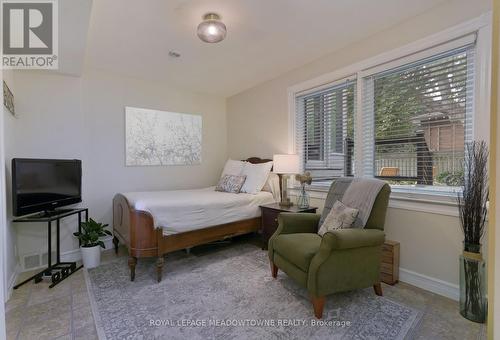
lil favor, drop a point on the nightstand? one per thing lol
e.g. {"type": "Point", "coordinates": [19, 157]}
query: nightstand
{"type": "Point", "coordinates": [270, 214]}
{"type": "Point", "coordinates": [389, 268]}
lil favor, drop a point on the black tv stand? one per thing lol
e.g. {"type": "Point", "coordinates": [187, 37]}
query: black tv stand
{"type": "Point", "coordinates": [59, 270]}
{"type": "Point", "coordinates": [51, 213]}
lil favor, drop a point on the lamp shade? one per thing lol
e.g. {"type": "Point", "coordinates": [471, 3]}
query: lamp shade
{"type": "Point", "coordinates": [286, 164]}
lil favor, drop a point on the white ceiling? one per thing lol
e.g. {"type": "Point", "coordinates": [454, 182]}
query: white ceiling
{"type": "Point", "coordinates": [265, 37]}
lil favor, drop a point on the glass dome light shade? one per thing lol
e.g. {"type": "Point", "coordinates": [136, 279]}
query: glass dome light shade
{"type": "Point", "coordinates": [211, 30]}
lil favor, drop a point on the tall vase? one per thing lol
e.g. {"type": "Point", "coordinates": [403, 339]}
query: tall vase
{"type": "Point", "coordinates": [473, 305]}
{"type": "Point", "coordinates": [303, 198]}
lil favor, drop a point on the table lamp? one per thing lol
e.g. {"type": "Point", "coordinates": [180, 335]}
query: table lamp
{"type": "Point", "coordinates": [285, 165]}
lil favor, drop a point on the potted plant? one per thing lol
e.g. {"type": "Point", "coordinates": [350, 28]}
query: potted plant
{"type": "Point", "coordinates": [303, 199]}
{"type": "Point", "coordinates": [472, 205]}
{"type": "Point", "coordinates": [90, 244]}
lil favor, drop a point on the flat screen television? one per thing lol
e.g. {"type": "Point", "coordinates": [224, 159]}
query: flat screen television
{"type": "Point", "coordinates": [45, 184]}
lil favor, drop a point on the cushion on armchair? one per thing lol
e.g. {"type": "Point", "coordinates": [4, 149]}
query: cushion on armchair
{"type": "Point", "coordinates": [299, 249]}
{"type": "Point", "coordinates": [340, 217]}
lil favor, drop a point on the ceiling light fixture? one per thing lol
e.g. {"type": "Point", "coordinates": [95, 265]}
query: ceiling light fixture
{"type": "Point", "coordinates": [211, 29]}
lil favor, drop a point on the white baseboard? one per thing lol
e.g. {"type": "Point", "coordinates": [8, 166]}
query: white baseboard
{"type": "Point", "coordinates": [431, 284]}
{"type": "Point", "coordinates": [12, 282]}
{"type": "Point", "coordinates": [67, 256]}
{"type": "Point", "coordinates": [425, 282]}
{"type": "Point", "coordinates": [73, 255]}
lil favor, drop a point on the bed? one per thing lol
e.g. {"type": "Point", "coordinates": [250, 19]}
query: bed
{"type": "Point", "coordinates": [152, 224]}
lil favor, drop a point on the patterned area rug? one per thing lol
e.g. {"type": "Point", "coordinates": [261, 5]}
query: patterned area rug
{"type": "Point", "coordinates": [228, 293]}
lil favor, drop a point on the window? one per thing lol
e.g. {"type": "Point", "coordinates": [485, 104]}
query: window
{"type": "Point", "coordinates": [409, 123]}
{"type": "Point", "coordinates": [420, 117]}
{"type": "Point", "coordinates": [325, 131]}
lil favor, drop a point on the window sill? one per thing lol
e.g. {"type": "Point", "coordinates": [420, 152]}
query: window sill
{"type": "Point", "coordinates": [402, 199]}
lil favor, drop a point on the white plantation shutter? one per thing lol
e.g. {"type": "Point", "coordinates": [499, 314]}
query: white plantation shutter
{"type": "Point", "coordinates": [417, 119]}
{"type": "Point", "coordinates": [325, 130]}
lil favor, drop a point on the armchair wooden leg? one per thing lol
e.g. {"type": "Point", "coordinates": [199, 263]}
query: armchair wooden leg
{"type": "Point", "coordinates": [132, 261]}
{"type": "Point", "coordinates": [377, 287]}
{"type": "Point", "coordinates": [159, 266]}
{"type": "Point", "coordinates": [274, 269]}
{"type": "Point", "coordinates": [318, 305]}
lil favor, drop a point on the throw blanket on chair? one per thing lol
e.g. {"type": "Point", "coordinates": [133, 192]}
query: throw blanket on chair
{"type": "Point", "coordinates": [336, 192]}
{"type": "Point", "coordinates": [361, 194]}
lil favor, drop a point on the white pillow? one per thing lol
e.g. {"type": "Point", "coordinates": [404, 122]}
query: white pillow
{"type": "Point", "coordinates": [256, 176]}
{"type": "Point", "coordinates": [233, 168]}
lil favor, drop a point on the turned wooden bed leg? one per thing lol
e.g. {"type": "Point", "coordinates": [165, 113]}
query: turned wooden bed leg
{"type": "Point", "coordinates": [159, 266]}
{"type": "Point", "coordinates": [318, 305]}
{"type": "Point", "coordinates": [377, 287]}
{"type": "Point", "coordinates": [132, 261]}
{"type": "Point", "coordinates": [274, 269]}
{"type": "Point", "coordinates": [115, 242]}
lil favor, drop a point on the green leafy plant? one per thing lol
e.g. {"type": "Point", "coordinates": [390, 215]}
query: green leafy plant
{"type": "Point", "coordinates": [451, 178]}
{"type": "Point", "coordinates": [91, 231]}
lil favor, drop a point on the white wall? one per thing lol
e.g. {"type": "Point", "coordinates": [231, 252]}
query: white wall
{"type": "Point", "coordinates": [10, 262]}
{"type": "Point", "coordinates": [83, 117]}
{"type": "Point", "coordinates": [48, 125]}
{"type": "Point", "coordinates": [494, 230]}
{"type": "Point", "coordinates": [103, 102]}
{"type": "Point", "coordinates": [3, 223]}
{"type": "Point", "coordinates": [495, 327]}
{"type": "Point", "coordinates": [258, 125]}
{"type": "Point", "coordinates": [496, 241]}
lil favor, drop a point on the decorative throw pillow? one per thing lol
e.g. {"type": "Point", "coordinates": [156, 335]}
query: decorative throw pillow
{"type": "Point", "coordinates": [233, 167]}
{"type": "Point", "coordinates": [340, 217]}
{"type": "Point", "coordinates": [230, 183]}
{"type": "Point", "coordinates": [256, 176]}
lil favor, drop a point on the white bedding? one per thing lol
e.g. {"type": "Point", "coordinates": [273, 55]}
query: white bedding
{"type": "Point", "coordinates": [178, 211]}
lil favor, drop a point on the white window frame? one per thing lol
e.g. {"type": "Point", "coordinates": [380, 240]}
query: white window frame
{"type": "Point", "coordinates": [327, 152]}
{"type": "Point", "coordinates": [421, 201]}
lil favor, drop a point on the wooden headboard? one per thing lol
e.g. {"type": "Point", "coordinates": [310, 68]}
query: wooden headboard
{"type": "Point", "coordinates": [257, 160]}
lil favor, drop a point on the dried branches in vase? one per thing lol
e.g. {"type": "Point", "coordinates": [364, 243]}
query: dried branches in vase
{"type": "Point", "coordinates": [472, 206]}
{"type": "Point", "coordinates": [303, 199]}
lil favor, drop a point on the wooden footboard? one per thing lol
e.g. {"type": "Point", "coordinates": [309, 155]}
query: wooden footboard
{"type": "Point", "coordinates": [135, 228]}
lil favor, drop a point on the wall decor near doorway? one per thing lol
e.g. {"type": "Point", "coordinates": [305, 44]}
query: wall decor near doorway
{"type": "Point", "coordinates": [8, 99]}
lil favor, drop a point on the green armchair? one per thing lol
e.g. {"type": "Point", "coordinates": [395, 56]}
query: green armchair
{"type": "Point", "coordinates": [342, 260]}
